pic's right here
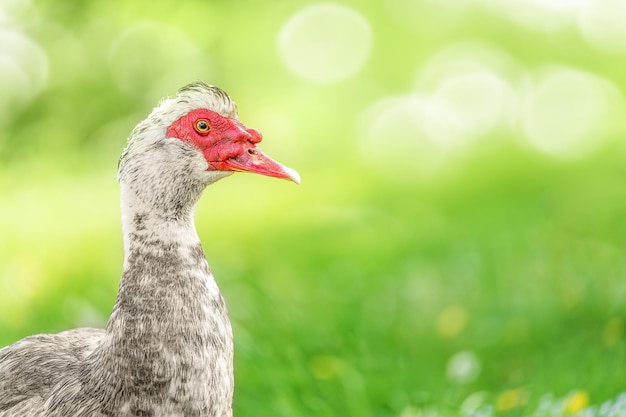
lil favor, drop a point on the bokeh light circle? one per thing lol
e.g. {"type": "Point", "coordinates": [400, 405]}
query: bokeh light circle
{"type": "Point", "coordinates": [558, 5]}
{"type": "Point", "coordinates": [406, 137]}
{"type": "Point", "coordinates": [477, 82]}
{"type": "Point", "coordinates": [570, 113]}
{"type": "Point", "coordinates": [427, 15]}
{"type": "Point", "coordinates": [542, 15]}
{"type": "Point", "coordinates": [325, 43]}
{"type": "Point", "coordinates": [467, 58]}
{"type": "Point", "coordinates": [23, 69]}
{"type": "Point", "coordinates": [603, 24]}
{"type": "Point", "coordinates": [481, 99]}
{"type": "Point", "coordinates": [150, 58]}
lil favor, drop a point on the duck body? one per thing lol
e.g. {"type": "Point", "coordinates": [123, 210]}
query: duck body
{"type": "Point", "coordinates": [167, 349]}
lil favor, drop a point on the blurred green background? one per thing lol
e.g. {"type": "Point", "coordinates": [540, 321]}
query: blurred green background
{"type": "Point", "coordinates": [457, 245]}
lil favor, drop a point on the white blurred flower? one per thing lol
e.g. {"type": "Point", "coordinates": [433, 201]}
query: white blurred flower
{"type": "Point", "coordinates": [463, 367]}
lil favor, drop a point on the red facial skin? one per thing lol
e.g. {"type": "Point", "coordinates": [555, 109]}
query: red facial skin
{"type": "Point", "coordinates": [227, 144]}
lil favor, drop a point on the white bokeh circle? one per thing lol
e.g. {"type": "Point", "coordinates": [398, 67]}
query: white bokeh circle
{"type": "Point", "coordinates": [467, 58]}
{"type": "Point", "coordinates": [542, 15]}
{"type": "Point", "coordinates": [149, 58]}
{"type": "Point", "coordinates": [432, 15]}
{"type": "Point", "coordinates": [478, 82]}
{"type": "Point", "coordinates": [407, 137]}
{"type": "Point", "coordinates": [603, 24]}
{"type": "Point", "coordinates": [481, 99]}
{"type": "Point", "coordinates": [325, 43]}
{"type": "Point", "coordinates": [569, 113]}
{"type": "Point", "coordinates": [23, 69]}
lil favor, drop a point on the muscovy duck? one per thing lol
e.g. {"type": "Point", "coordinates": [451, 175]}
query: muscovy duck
{"type": "Point", "coordinates": [167, 349]}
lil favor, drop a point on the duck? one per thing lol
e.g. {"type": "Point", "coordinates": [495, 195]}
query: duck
{"type": "Point", "coordinates": [167, 349]}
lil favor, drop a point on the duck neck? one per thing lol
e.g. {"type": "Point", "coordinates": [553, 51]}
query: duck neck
{"type": "Point", "coordinates": [167, 292]}
{"type": "Point", "coordinates": [169, 323]}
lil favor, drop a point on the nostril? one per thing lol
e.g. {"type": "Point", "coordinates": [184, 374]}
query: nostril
{"type": "Point", "coordinates": [252, 151]}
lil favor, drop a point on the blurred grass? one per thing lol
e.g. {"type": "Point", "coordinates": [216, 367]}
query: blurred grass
{"type": "Point", "coordinates": [351, 293]}
{"type": "Point", "coordinates": [336, 296]}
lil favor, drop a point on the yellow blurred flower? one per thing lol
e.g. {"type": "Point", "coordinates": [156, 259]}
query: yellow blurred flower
{"type": "Point", "coordinates": [451, 321]}
{"type": "Point", "coordinates": [575, 402]}
{"type": "Point", "coordinates": [511, 398]}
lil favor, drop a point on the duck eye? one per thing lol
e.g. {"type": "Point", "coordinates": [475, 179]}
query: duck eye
{"type": "Point", "coordinates": [202, 126]}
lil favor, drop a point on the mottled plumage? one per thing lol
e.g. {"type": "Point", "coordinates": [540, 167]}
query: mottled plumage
{"type": "Point", "coordinates": [167, 349]}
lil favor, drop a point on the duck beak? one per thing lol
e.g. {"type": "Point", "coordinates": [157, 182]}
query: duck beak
{"type": "Point", "coordinates": [239, 152]}
{"type": "Point", "coordinates": [252, 159]}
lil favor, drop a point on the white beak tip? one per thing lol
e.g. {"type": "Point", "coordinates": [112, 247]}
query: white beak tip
{"type": "Point", "coordinates": [293, 175]}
